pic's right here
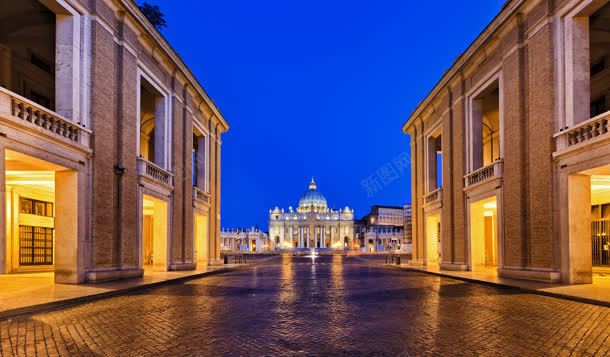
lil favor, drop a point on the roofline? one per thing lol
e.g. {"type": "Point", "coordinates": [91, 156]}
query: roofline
{"type": "Point", "coordinates": [382, 206]}
{"type": "Point", "coordinates": [509, 7]}
{"type": "Point", "coordinates": [135, 11]}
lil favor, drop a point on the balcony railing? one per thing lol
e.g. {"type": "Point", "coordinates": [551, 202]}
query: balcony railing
{"type": "Point", "coordinates": [434, 196]}
{"type": "Point", "coordinates": [583, 132]}
{"type": "Point", "coordinates": [493, 170]}
{"type": "Point", "coordinates": [154, 172]}
{"type": "Point", "coordinates": [200, 195]}
{"type": "Point", "coordinates": [24, 110]}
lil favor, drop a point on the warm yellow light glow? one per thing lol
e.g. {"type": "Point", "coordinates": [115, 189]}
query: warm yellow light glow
{"type": "Point", "coordinates": [490, 205]}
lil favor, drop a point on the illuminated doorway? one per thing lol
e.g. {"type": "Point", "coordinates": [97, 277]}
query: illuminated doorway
{"type": "Point", "coordinates": [155, 254]}
{"type": "Point", "coordinates": [484, 234]}
{"type": "Point", "coordinates": [202, 240]}
{"type": "Point", "coordinates": [41, 216]}
{"type": "Point", "coordinates": [433, 239]}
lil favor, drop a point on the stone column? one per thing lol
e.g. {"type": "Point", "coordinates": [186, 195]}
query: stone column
{"type": "Point", "coordinates": [67, 60]}
{"type": "Point", "coordinates": [580, 260]}
{"type": "Point", "coordinates": [217, 190]}
{"type": "Point", "coordinates": [69, 251]}
{"type": "Point", "coordinates": [300, 238]}
{"type": "Point", "coordinates": [578, 70]}
{"type": "Point", "coordinates": [323, 236]}
{"type": "Point", "coordinates": [476, 136]}
{"type": "Point", "coordinates": [3, 249]}
{"type": "Point", "coordinates": [160, 133]}
{"type": "Point", "coordinates": [431, 163]}
{"type": "Point", "coordinates": [202, 163]}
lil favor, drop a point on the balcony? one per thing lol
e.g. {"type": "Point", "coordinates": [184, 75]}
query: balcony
{"type": "Point", "coordinates": [433, 197]}
{"type": "Point", "coordinates": [27, 115]}
{"type": "Point", "coordinates": [484, 174]}
{"type": "Point", "coordinates": [154, 173]}
{"type": "Point", "coordinates": [588, 131]}
{"type": "Point", "coordinates": [201, 196]}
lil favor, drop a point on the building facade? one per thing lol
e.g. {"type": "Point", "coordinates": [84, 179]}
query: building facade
{"type": "Point", "coordinates": [519, 126]}
{"type": "Point", "coordinates": [245, 240]}
{"type": "Point", "coordinates": [408, 220]}
{"type": "Point", "coordinates": [109, 147]}
{"type": "Point", "coordinates": [312, 225]}
{"type": "Point", "coordinates": [383, 229]}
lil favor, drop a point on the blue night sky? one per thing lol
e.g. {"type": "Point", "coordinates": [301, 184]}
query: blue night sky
{"type": "Point", "coordinates": [318, 88]}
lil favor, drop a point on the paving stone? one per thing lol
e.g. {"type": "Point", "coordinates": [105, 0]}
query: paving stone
{"type": "Point", "coordinates": [335, 306]}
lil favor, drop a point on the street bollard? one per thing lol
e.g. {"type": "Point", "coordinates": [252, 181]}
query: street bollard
{"type": "Point", "coordinates": [398, 260]}
{"type": "Point", "coordinates": [226, 259]}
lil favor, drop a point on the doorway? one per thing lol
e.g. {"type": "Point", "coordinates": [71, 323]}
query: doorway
{"type": "Point", "coordinates": [155, 254]}
{"type": "Point", "coordinates": [433, 239]}
{"type": "Point", "coordinates": [41, 205]}
{"type": "Point", "coordinates": [202, 240]}
{"type": "Point", "coordinates": [484, 234]}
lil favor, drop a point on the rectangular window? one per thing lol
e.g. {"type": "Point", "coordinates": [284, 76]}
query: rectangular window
{"type": "Point", "coordinates": [35, 245]}
{"type": "Point", "coordinates": [38, 208]}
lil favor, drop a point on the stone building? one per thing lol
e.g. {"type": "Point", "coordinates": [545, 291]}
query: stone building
{"type": "Point", "coordinates": [382, 229]}
{"type": "Point", "coordinates": [109, 146]}
{"type": "Point", "coordinates": [245, 240]}
{"type": "Point", "coordinates": [519, 125]}
{"type": "Point", "coordinates": [312, 225]}
{"type": "Point", "coordinates": [408, 220]}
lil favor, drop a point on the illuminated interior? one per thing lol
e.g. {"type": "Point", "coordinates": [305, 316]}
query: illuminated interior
{"type": "Point", "coordinates": [154, 234]}
{"type": "Point", "coordinates": [600, 220]}
{"type": "Point", "coordinates": [484, 234]}
{"type": "Point", "coordinates": [30, 214]}
{"type": "Point", "coordinates": [201, 241]}
{"type": "Point", "coordinates": [433, 239]}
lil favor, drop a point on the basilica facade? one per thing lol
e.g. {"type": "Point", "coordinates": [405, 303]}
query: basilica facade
{"type": "Point", "coordinates": [312, 225]}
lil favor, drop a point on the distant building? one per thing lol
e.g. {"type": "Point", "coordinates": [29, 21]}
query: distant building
{"type": "Point", "coordinates": [313, 225]}
{"type": "Point", "coordinates": [245, 240]}
{"type": "Point", "coordinates": [384, 229]}
{"type": "Point", "coordinates": [408, 223]}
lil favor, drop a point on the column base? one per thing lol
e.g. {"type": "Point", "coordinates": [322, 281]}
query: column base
{"type": "Point", "coordinates": [453, 266]}
{"type": "Point", "coordinates": [182, 266]}
{"type": "Point", "coordinates": [113, 274]}
{"type": "Point", "coordinates": [215, 262]}
{"type": "Point", "coordinates": [531, 274]}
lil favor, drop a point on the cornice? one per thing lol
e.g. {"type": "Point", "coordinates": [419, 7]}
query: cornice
{"type": "Point", "coordinates": [505, 14]}
{"type": "Point", "coordinates": [133, 11]}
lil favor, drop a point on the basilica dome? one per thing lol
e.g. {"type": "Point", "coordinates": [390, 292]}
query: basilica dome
{"type": "Point", "coordinates": [313, 197]}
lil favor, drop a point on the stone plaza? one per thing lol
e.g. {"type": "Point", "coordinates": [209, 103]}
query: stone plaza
{"type": "Point", "coordinates": [330, 305]}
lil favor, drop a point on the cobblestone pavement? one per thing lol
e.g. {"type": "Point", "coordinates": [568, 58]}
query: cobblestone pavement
{"type": "Point", "coordinates": [335, 306]}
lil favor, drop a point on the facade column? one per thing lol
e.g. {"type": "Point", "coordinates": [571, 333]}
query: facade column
{"type": "Point", "coordinates": [202, 162]}
{"type": "Point", "coordinates": [160, 133]}
{"type": "Point", "coordinates": [579, 248]}
{"type": "Point", "coordinates": [323, 236]}
{"type": "Point", "coordinates": [3, 249]}
{"type": "Point", "coordinates": [300, 245]}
